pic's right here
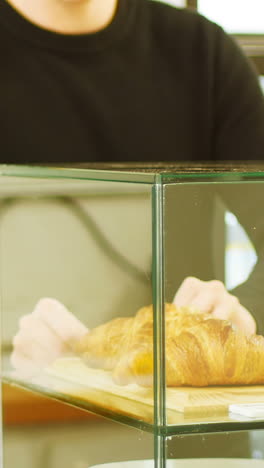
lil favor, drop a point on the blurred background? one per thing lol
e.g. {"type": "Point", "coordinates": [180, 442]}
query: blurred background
{"type": "Point", "coordinates": [241, 18]}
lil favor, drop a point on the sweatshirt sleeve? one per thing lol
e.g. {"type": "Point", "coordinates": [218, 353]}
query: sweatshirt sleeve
{"type": "Point", "coordinates": [238, 129]}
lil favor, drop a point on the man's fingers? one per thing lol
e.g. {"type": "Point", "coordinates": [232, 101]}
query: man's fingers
{"type": "Point", "coordinates": [212, 297]}
{"type": "Point", "coordinates": [44, 335]}
{"type": "Point", "coordinates": [205, 302]}
{"type": "Point", "coordinates": [223, 311]}
{"type": "Point", "coordinates": [245, 321]}
{"type": "Point", "coordinates": [22, 363]}
{"type": "Point", "coordinates": [238, 315]}
{"type": "Point", "coordinates": [62, 322]}
{"type": "Point", "coordinates": [202, 295]}
{"type": "Point", "coordinates": [249, 323]}
{"type": "Point", "coordinates": [33, 329]}
{"type": "Point", "coordinates": [227, 307]}
{"type": "Point", "coordinates": [187, 291]}
{"type": "Point", "coordinates": [33, 351]}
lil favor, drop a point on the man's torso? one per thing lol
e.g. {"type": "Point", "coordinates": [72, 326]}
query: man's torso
{"type": "Point", "coordinates": [138, 93]}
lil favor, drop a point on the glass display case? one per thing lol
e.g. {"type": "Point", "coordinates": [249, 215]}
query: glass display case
{"type": "Point", "coordinates": [136, 293]}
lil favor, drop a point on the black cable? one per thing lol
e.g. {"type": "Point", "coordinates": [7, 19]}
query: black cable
{"type": "Point", "coordinates": [103, 242]}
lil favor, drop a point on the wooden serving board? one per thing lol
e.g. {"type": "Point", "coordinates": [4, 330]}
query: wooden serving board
{"type": "Point", "coordinates": [185, 400]}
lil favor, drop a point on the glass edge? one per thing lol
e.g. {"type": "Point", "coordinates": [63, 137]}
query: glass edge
{"type": "Point", "coordinates": [159, 375]}
{"type": "Point", "coordinates": [208, 428]}
{"type": "Point", "coordinates": [166, 431]}
{"type": "Point", "coordinates": [75, 173]}
{"type": "Point", "coordinates": [74, 402]}
{"type": "Point", "coordinates": [212, 177]}
{"type": "Point", "coordinates": [122, 176]}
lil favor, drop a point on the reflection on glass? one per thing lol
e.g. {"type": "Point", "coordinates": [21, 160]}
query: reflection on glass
{"type": "Point", "coordinates": [262, 82]}
{"type": "Point", "coordinates": [257, 444]}
{"type": "Point", "coordinates": [176, 3]}
{"type": "Point", "coordinates": [240, 255]}
{"type": "Point", "coordinates": [235, 16]}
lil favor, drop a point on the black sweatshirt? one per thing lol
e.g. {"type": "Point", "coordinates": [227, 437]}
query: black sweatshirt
{"type": "Point", "coordinates": [158, 84]}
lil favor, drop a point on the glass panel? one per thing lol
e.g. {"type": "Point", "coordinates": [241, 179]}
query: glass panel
{"type": "Point", "coordinates": [84, 246]}
{"type": "Point", "coordinates": [210, 371]}
{"type": "Point", "coordinates": [74, 445]}
{"type": "Point", "coordinates": [232, 450]}
{"type": "Point", "coordinates": [98, 248]}
{"type": "Point", "coordinates": [235, 16]}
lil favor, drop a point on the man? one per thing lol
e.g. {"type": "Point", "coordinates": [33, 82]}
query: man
{"type": "Point", "coordinates": [126, 80]}
{"type": "Point", "coordinates": [123, 80]}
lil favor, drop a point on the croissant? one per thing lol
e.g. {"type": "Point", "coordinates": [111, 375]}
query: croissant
{"type": "Point", "coordinates": [200, 350]}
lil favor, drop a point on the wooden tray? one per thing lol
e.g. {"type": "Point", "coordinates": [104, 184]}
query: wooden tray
{"type": "Point", "coordinates": [185, 400]}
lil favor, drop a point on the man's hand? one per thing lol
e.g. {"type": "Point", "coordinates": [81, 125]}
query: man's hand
{"type": "Point", "coordinates": [44, 335]}
{"type": "Point", "coordinates": [213, 298]}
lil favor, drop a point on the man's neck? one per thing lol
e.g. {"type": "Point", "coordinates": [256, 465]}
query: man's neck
{"type": "Point", "coordinates": [67, 16]}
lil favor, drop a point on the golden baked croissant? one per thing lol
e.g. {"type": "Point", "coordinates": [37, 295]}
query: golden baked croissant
{"type": "Point", "coordinates": [200, 350]}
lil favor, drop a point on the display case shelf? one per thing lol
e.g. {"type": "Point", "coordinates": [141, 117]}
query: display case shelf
{"type": "Point", "coordinates": [135, 406]}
